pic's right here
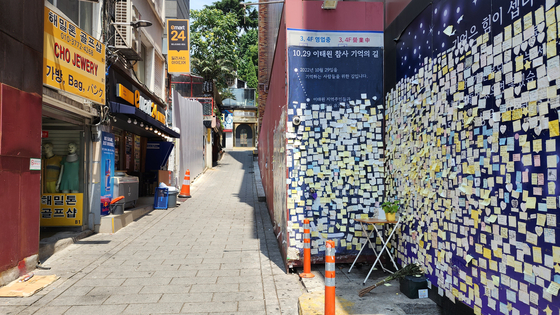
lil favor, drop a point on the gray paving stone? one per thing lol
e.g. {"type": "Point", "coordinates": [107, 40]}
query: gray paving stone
{"type": "Point", "coordinates": [214, 307]}
{"type": "Point", "coordinates": [187, 297]}
{"type": "Point", "coordinates": [238, 296]}
{"type": "Point", "coordinates": [115, 290]}
{"type": "Point", "coordinates": [214, 254]}
{"type": "Point", "coordinates": [179, 289]}
{"type": "Point", "coordinates": [80, 300]}
{"type": "Point", "coordinates": [96, 310]}
{"type": "Point", "coordinates": [154, 308]}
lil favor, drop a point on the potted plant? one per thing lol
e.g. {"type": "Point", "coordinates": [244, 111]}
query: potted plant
{"type": "Point", "coordinates": [391, 209]}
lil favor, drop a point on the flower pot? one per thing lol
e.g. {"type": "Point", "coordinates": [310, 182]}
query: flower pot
{"type": "Point", "coordinates": [390, 216]}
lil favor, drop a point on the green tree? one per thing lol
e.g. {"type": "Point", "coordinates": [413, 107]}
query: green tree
{"type": "Point", "coordinates": [248, 72]}
{"type": "Point", "coordinates": [214, 50]}
{"type": "Point", "coordinates": [247, 17]}
{"type": "Point", "coordinates": [248, 43]}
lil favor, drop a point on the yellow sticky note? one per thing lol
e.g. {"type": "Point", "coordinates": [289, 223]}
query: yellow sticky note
{"type": "Point", "coordinates": [553, 128]}
{"type": "Point", "coordinates": [487, 253]}
{"type": "Point", "coordinates": [531, 202]}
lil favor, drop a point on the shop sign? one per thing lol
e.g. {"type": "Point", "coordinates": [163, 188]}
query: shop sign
{"type": "Point", "coordinates": [62, 209]}
{"type": "Point", "coordinates": [142, 103]}
{"type": "Point", "coordinates": [227, 120]}
{"type": "Point", "coordinates": [178, 60]}
{"type": "Point", "coordinates": [237, 119]}
{"type": "Point", "coordinates": [34, 164]}
{"type": "Point", "coordinates": [107, 170]}
{"type": "Point", "coordinates": [244, 113]}
{"type": "Point", "coordinates": [73, 61]}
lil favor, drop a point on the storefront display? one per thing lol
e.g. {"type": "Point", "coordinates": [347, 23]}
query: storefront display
{"type": "Point", "coordinates": [62, 185]}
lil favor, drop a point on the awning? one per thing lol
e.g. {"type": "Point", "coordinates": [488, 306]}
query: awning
{"type": "Point", "coordinates": [136, 113]}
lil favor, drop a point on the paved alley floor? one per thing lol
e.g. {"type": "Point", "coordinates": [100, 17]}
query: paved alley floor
{"type": "Point", "coordinates": [214, 254]}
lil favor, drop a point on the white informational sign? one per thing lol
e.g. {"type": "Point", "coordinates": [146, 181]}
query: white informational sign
{"type": "Point", "coordinates": [34, 164]}
{"type": "Point", "coordinates": [310, 38]}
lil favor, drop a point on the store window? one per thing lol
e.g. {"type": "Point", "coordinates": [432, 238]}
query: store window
{"type": "Point", "coordinates": [80, 12]}
{"type": "Point", "coordinates": [62, 182]}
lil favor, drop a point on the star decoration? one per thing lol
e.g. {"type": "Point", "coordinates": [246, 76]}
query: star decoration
{"type": "Point", "coordinates": [509, 307]}
{"type": "Point", "coordinates": [527, 65]}
{"type": "Point", "coordinates": [548, 311]}
{"type": "Point", "coordinates": [557, 268]}
{"type": "Point", "coordinates": [474, 1]}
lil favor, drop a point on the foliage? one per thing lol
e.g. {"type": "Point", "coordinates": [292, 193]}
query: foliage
{"type": "Point", "coordinates": [248, 73]}
{"type": "Point", "coordinates": [248, 44]}
{"type": "Point", "coordinates": [390, 207]}
{"type": "Point", "coordinates": [247, 17]}
{"type": "Point", "coordinates": [224, 41]}
{"type": "Point", "coordinates": [214, 52]}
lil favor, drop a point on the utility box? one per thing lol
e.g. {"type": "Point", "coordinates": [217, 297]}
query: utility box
{"type": "Point", "coordinates": [127, 186]}
{"type": "Point", "coordinates": [411, 284]}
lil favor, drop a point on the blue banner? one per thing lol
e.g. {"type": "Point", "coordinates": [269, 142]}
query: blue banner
{"type": "Point", "coordinates": [107, 170]}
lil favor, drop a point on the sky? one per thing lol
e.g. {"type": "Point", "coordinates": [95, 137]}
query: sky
{"type": "Point", "coordinates": [199, 4]}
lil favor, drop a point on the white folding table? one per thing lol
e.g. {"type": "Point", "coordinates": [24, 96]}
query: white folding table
{"type": "Point", "coordinates": [371, 221]}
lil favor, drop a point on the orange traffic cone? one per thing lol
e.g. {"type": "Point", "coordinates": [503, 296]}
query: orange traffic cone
{"type": "Point", "coordinates": [186, 188]}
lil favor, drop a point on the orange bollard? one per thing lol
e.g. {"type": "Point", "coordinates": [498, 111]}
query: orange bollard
{"type": "Point", "coordinates": [186, 188]}
{"type": "Point", "coordinates": [330, 289]}
{"type": "Point", "coordinates": [306, 251]}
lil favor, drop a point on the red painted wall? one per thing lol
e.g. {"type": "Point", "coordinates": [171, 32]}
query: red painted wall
{"type": "Point", "coordinates": [393, 8]}
{"type": "Point", "coordinates": [275, 104]}
{"type": "Point", "coordinates": [348, 16]}
{"type": "Point", "coordinates": [20, 191]}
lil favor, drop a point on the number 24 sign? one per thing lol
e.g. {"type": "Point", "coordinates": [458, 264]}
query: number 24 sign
{"type": "Point", "coordinates": [178, 46]}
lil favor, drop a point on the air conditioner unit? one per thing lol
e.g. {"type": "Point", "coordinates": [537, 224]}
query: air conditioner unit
{"type": "Point", "coordinates": [127, 38]}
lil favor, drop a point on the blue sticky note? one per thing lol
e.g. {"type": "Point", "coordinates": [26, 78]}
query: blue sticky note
{"type": "Point", "coordinates": [542, 207]}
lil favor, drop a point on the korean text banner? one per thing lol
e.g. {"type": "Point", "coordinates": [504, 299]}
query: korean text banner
{"type": "Point", "coordinates": [73, 61]}
{"type": "Point", "coordinates": [62, 209]}
{"type": "Point", "coordinates": [178, 60]}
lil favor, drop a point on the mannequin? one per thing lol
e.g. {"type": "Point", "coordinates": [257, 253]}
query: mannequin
{"type": "Point", "coordinates": [68, 180]}
{"type": "Point", "coordinates": [51, 169]}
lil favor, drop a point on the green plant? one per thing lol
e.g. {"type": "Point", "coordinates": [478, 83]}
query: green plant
{"type": "Point", "coordinates": [390, 207]}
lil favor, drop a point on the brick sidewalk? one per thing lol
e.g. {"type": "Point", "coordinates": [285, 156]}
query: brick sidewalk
{"type": "Point", "coordinates": [215, 254]}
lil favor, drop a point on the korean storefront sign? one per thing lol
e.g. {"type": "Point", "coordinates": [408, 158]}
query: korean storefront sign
{"type": "Point", "coordinates": [137, 99]}
{"type": "Point", "coordinates": [107, 170]}
{"type": "Point", "coordinates": [178, 46]}
{"type": "Point", "coordinates": [62, 209]}
{"type": "Point", "coordinates": [73, 61]}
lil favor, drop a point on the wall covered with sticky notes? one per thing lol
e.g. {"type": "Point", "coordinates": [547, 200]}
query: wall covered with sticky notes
{"type": "Point", "coordinates": [471, 147]}
{"type": "Point", "coordinates": [334, 134]}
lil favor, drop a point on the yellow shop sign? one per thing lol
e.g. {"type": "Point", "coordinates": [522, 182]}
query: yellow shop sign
{"type": "Point", "coordinates": [62, 209]}
{"type": "Point", "coordinates": [73, 61]}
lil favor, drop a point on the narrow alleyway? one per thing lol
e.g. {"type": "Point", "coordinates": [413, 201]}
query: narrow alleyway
{"type": "Point", "coordinates": [215, 254]}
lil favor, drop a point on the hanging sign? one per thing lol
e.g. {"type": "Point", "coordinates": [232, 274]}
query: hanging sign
{"type": "Point", "coordinates": [178, 60]}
